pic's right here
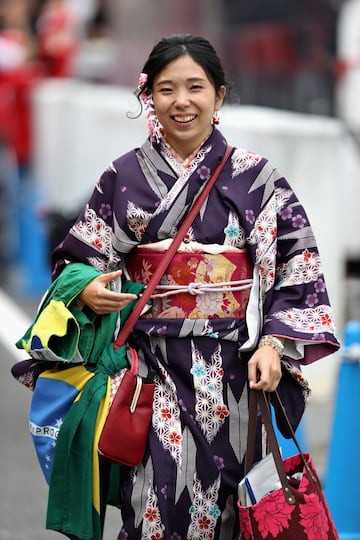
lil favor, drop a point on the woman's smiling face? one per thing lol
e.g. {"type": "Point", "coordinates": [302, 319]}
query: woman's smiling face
{"type": "Point", "coordinates": [185, 100]}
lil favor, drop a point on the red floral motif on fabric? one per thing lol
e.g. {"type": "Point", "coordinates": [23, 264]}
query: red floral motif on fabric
{"type": "Point", "coordinates": [165, 413]}
{"type": "Point", "coordinates": [222, 411]}
{"type": "Point", "coordinates": [326, 320]}
{"type": "Point", "coordinates": [307, 255]}
{"type": "Point", "coordinates": [313, 518]}
{"type": "Point", "coordinates": [175, 438]}
{"type": "Point", "coordinates": [246, 528]}
{"type": "Point", "coordinates": [204, 523]}
{"type": "Point", "coordinates": [274, 516]}
{"type": "Point", "coordinates": [182, 273]}
{"type": "Point", "coordinates": [151, 514]}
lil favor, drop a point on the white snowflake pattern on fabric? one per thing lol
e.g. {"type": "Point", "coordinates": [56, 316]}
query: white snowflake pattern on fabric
{"type": "Point", "coordinates": [152, 528]}
{"type": "Point", "coordinates": [204, 511]}
{"type": "Point", "coordinates": [210, 408]}
{"type": "Point", "coordinates": [267, 269]}
{"type": "Point", "coordinates": [138, 219]}
{"type": "Point", "coordinates": [94, 231]}
{"type": "Point", "coordinates": [281, 197]}
{"type": "Point", "coordinates": [242, 160]}
{"type": "Point", "coordinates": [311, 320]}
{"type": "Point", "coordinates": [303, 268]}
{"type": "Point", "coordinates": [97, 234]}
{"type": "Point", "coordinates": [264, 236]}
{"type": "Point", "coordinates": [105, 266]}
{"type": "Point", "coordinates": [166, 417]}
{"type": "Point", "coordinates": [265, 229]}
{"type": "Point", "coordinates": [179, 167]}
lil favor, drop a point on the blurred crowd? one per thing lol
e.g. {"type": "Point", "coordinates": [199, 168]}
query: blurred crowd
{"type": "Point", "coordinates": [38, 39]}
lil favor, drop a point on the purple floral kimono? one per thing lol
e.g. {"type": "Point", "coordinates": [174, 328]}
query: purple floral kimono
{"type": "Point", "coordinates": [186, 487]}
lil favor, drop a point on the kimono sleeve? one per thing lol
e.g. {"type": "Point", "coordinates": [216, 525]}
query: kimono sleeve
{"type": "Point", "coordinates": [296, 305]}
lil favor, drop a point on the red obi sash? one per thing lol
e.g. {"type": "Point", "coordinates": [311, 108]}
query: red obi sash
{"type": "Point", "coordinates": [196, 285]}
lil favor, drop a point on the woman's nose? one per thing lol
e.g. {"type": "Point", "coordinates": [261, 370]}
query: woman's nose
{"type": "Point", "coordinates": [182, 98]}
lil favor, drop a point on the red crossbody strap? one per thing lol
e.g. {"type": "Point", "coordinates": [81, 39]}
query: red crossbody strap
{"type": "Point", "coordinates": [169, 254]}
{"type": "Point", "coordinates": [134, 361]}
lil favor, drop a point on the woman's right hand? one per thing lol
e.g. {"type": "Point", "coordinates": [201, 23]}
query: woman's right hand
{"type": "Point", "coordinates": [100, 298]}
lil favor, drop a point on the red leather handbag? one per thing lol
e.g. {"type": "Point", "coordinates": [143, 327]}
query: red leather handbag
{"type": "Point", "coordinates": [123, 437]}
{"type": "Point", "coordinates": [296, 507]}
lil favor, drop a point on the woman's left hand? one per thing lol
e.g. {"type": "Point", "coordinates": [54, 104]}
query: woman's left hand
{"type": "Point", "coordinates": [264, 369]}
{"type": "Point", "coordinates": [100, 298]}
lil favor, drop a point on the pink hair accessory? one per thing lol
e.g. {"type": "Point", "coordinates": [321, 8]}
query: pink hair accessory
{"type": "Point", "coordinates": [154, 126]}
{"type": "Point", "coordinates": [142, 81]}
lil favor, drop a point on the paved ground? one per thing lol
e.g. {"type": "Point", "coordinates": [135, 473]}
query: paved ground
{"type": "Point", "coordinates": [23, 489]}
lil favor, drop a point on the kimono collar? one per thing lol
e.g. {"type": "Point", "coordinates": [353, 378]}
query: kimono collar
{"type": "Point", "coordinates": [185, 186]}
{"type": "Point", "coordinates": [216, 143]}
{"type": "Point", "coordinates": [187, 161]}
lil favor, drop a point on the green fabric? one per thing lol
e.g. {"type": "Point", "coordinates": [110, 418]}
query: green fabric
{"type": "Point", "coordinates": [70, 502]}
{"type": "Point", "coordinates": [114, 485]}
{"type": "Point", "coordinates": [70, 508]}
{"type": "Point", "coordinates": [61, 331]}
{"type": "Point", "coordinates": [59, 327]}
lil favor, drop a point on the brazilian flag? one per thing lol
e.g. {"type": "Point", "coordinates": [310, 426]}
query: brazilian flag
{"type": "Point", "coordinates": [56, 391]}
{"type": "Point", "coordinates": [70, 402]}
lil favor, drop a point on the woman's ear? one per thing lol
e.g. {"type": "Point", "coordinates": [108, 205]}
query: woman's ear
{"type": "Point", "coordinates": [220, 96]}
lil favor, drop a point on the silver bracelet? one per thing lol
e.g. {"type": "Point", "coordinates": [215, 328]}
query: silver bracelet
{"type": "Point", "coordinates": [273, 342]}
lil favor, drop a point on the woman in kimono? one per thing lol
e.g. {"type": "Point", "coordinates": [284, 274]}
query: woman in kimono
{"type": "Point", "coordinates": [262, 311]}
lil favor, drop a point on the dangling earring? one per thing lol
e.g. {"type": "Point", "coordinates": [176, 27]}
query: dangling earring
{"type": "Point", "coordinates": [215, 118]}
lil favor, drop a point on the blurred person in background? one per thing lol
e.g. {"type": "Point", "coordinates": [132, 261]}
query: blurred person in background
{"type": "Point", "coordinates": [98, 54]}
{"type": "Point", "coordinates": [59, 34]}
{"type": "Point", "coordinates": [19, 72]}
{"type": "Point", "coordinates": [206, 349]}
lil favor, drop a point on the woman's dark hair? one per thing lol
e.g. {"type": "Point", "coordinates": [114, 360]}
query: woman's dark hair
{"type": "Point", "coordinates": [170, 48]}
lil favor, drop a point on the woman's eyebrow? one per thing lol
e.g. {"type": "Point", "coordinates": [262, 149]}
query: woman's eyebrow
{"type": "Point", "coordinates": [190, 79]}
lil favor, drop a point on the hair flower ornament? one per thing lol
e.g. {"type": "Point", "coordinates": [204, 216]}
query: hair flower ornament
{"type": "Point", "coordinates": [154, 126]}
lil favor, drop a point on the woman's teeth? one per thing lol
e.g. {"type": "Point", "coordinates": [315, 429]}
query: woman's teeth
{"type": "Point", "coordinates": [184, 119]}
